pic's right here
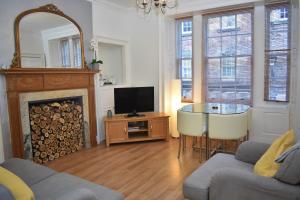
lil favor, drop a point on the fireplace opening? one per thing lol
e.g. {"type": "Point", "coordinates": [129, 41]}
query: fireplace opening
{"type": "Point", "coordinates": [56, 128]}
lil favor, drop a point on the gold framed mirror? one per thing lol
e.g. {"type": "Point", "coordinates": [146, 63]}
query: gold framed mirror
{"type": "Point", "coordinates": [47, 38]}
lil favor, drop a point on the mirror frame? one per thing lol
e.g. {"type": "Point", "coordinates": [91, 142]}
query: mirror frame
{"type": "Point", "coordinates": [49, 8]}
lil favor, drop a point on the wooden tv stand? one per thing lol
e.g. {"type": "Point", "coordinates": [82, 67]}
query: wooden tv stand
{"type": "Point", "coordinates": [152, 126]}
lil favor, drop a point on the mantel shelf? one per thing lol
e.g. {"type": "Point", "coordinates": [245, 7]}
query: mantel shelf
{"type": "Point", "coordinates": [20, 71]}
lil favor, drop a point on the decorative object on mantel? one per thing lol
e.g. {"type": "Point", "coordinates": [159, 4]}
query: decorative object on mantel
{"type": "Point", "coordinates": [147, 5]}
{"type": "Point", "coordinates": [51, 12]}
{"type": "Point", "coordinates": [95, 62]}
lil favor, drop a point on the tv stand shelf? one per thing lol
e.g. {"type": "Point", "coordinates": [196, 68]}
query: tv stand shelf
{"type": "Point", "coordinates": [151, 126]}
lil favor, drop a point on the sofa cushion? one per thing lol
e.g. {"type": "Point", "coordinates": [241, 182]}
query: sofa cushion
{"type": "Point", "coordinates": [250, 151]}
{"type": "Point", "coordinates": [79, 194]}
{"type": "Point", "coordinates": [58, 185]}
{"type": "Point", "coordinates": [5, 193]}
{"type": "Point", "coordinates": [28, 171]}
{"type": "Point", "coordinates": [196, 186]}
{"type": "Point", "coordinates": [289, 170]}
{"type": "Point", "coordinates": [16, 186]}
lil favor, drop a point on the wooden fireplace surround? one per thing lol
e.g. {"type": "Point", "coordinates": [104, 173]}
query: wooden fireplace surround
{"type": "Point", "coordinates": [20, 80]}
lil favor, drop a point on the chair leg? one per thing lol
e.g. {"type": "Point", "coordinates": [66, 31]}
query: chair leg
{"type": "Point", "coordinates": [179, 149]}
{"type": "Point", "coordinates": [223, 145]}
{"type": "Point", "coordinates": [200, 145]}
{"type": "Point", "coordinates": [194, 142]}
{"type": "Point", "coordinates": [184, 142]}
{"type": "Point", "coordinates": [207, 147]}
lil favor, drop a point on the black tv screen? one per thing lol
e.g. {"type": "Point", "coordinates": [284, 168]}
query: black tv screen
{"type": "Point", "coordinates": [134, 99]}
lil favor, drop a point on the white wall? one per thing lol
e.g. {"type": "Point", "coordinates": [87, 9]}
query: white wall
{"type": "Point", "coordinates": [144, 52]}
{"type": "Point", "coordinates": [111, 21]}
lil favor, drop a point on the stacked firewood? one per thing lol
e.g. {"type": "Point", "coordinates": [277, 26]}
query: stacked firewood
{"type": "Point", "coordinates": [56, 130]}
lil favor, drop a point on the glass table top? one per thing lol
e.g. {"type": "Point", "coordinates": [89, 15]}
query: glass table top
{"type": "Point", "coordinates": [215, 108]}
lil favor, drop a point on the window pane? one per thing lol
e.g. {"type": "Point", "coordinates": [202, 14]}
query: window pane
{"type": "Point", "coordinates": [77, 52]}
{"type": "Point", "coordinates": [213, 69]}
{"type": "Point", "coordinates": [214, 92]}
{"type": "Point", "coordinates": [244, 44]}
{"type": "Point", "coordinates": [186, 44]}
{"type": "Point", "coordinates": [244, 24]}
{"type": "Point", "coordinates": [278, 66]}
{"type": "Point", "coordinates": [213, 28]}
{"type": "Point", "coordinates": [243, 67]}
{"type": "Point", "coordinates": [277, 89]}
{"type": "Point", "coordinates": [186, 69]}
{"type": "Point", "coordinates": [186, 88]}
{"type": "Point", "coordinates": [228, 95]}
{"type": "Point", "coordinates": [228, 25]}
{"type": "Point", "coordinates": [186, 27]}
{"type": "Point", "coordinates": [214, 47]}
{"type": "Point", "coordinates": [278, 40]}
{"type": "Point", "coordinates": [228, 46]}
{"type": "Point", "coordinates": [65, 53]}
{"type": "Point", "coordinates": [228, 68]}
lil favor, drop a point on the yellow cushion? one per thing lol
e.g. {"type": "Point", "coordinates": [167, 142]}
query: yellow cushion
{"type": "Point", "coordinates": [17, 187]}
{"type": "Point", "coordinates": [266, 165]}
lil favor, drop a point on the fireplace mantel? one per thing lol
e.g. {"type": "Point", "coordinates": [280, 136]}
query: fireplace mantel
{"type": "Point", "coordinates": [20, 80]}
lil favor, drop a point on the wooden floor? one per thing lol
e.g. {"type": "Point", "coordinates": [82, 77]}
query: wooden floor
{"type": "Point", "coordinates": [141, 171]}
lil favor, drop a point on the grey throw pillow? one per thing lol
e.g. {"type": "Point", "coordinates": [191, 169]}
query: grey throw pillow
{"type": "Point", "coordinates": [5, 193]}
{"type": "Point", "coordinates": [289, 170]}
{"type": "Point", "coordinates": [283, 156]}
{"type": "Point", "coordinates": [298, 135]}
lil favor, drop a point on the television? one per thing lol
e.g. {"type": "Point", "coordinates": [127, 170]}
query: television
{"type": "Point", "coordinates": [132, 100]}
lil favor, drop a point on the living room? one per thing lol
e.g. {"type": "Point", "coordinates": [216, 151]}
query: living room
{"type": "Point", "coordinates": [148, 99]}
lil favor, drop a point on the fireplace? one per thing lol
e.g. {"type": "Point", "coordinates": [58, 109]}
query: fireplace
{"type": "Point", "coordinates": [54, 123]}
{"type": "Point", "coordinates": [47, 84]}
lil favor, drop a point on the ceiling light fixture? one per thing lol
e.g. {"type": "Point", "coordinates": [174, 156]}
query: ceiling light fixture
{"type": "Point", "coordinates": [147, 5]}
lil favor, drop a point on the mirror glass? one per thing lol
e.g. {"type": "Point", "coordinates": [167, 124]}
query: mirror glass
{"type": "Point", "coordinates": [49, 41]}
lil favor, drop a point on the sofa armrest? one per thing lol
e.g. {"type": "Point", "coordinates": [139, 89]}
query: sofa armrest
{"type": "Point", "coordinates": [236, 184]}
{"type": "Point", "coordinates": [250, 151]}
{"type": "Point", "coordinates": [79, 194]}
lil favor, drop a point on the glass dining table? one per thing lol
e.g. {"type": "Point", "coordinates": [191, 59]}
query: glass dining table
{"type": "Point", "coordinates": [214, 108]}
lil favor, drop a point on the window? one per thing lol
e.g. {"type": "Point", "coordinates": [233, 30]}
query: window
{"type": "Point", "coordinates": [65, 53]}
{"type": "Point", "coordinates": [277, 53]}
{"type": "Point", "coordinates": [228, 57]}
{"type": "Point", "coordinates": [70, 57]}
{"type": "Point", "coordinates": [77, 52]}
{"type": "Point", "coordinates": [184, 49]}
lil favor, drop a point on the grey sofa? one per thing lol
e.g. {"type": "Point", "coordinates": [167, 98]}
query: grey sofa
{"type": "Point", "coordinates": [47, 184]}
{"type": "Point", "coordinates": [231, 177]}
